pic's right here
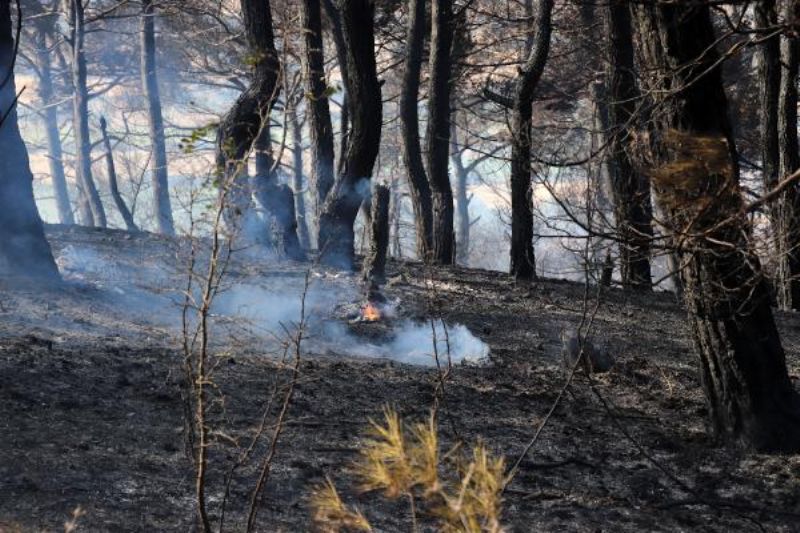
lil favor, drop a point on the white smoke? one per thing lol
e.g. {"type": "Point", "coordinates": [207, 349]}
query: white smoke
{"type": "Point", "coordinates": [413, 343]}
{"type": "Point", "coordinates": [262, 306]}
{"type": "Point", "coordinates": [277, 309]}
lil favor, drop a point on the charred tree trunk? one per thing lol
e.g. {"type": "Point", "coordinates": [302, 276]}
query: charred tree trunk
{"type": "Point", "coordinates": [630, 189]}
{"type": "Point", "coordinates": [112, 180]}
{"type": "Point", "coordinates": [523, 262]}
{"type": "Point", "coordinates": [90, 207]}
{"type": "Point", "coordinates": [278, 202]}
{"type": "Point", "coordinates": [696, 180]}
{"type": "Point", "coordinates": [375, 264]}
{"type": "Point", "coordinates": [438, 135]}
{"type": "Point", "coordinates": [418, 185]}
{"type": "Point", "coordinates": [789, 157]}
{"type": "Point", "coordinates": [319, 115]}
{"type": "Point", "coordinates": [160, 178]}
{"type": "Point", "coordinates": [336, 233]}
{"type": "Point", "coordinates": [24, 251]}
{"type": "Point", "coordinates": [55, 156]}
{"type": "Point", "coordinates": [297, 176]}
{"type": "Point", "coordinates": [244, 128]}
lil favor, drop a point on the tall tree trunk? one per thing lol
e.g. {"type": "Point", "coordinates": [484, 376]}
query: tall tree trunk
{"type": "Point", "coordinates": [336, 234]}
{"type": "Point", "coordinates": [24, 251]}
{"type": "Point", "coordinates": [789, 160]}
{"type": "Point", "coordinates": [438, 135]}
{"type": "Point", "coordinates": [462, 199]}
{"type": "Point", "coordinates": [297, 176]}
{"type": "Point", "coordinates": [160, 179]}
{"type": "Point", "coordinates": [319, 115]}
{"type": "Point", "coordinates": [111, 170]}
{"type": "Point", "coordinates": [418, 185]}
{"type": "Point", "coordinates": [55, 155]}
{"type": "Point", "coordinates": [90, 206]}
{"type": "Point", "coordinates": [523, 262]}
{"type": "Point", "coordinates": [630, 189]}
{"type": "Point", "coordinates": [695, 174]}
{"type": "Point", "coordinates": [245, 127]}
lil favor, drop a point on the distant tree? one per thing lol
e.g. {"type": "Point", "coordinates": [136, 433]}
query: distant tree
{"type": "Point", "coordinates": [336, 233]}
{"type": "Point", "coordinates": [694, 167]}
{"type": "Point", "coordinates": [523, 260]}
{"type": "Point", "coordinates": [159, 168]}
{"type": "Point", "coordinates": [44, 27]}
{"type": "Point", "coordinates": [24, 251]}
{"type": "Point", "coordinates": [462, 171]}
{"type": "Point", "coordinates": [298, 185]}
{"type": "Point", "coordinates": [90, 207]}
{"type": "Point", "coordinates": [111, 173]}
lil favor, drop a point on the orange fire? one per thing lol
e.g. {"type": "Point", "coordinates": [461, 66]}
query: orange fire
{"type": "Point", "coordinates": [370, 312]}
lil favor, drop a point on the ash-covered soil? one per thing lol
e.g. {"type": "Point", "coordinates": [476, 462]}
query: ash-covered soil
{"type": "Point", "coordinates": [91, 411]}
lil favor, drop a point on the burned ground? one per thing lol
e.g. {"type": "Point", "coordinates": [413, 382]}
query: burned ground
{"type": "Point", "coordinates": [91, 411]}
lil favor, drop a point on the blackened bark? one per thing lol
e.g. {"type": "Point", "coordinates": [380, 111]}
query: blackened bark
{"type": "Point", "coordinates": [55, 153]}
{"type": "Point", "coordinates": [421, 201]}
{"type": "Point", "coordinates": [336, 233]}
{"type": "Point", "coordinates": [696, 180]}
{"type": "Point", "coordinates": [319, 115]}
{"type": "Point", "coordinates": [160, 178]}
{"type": "Point", "coordinates": [438, 134]}
{"type": "Point", "coordinates": [111, 171]}
{"type": "Point", "coordinates": [297, 176]}
{"type": "Point", "coordinates": [24, 251]}
{"type": "Point", "coordinates": [241, 127]}
{"type": "Point", "coordinates": [629, 187]}
{"type": "Point", "coordinates": [789, 157]}
{"type": "Point", "coordinates": [278, 202]}
{"type": "Point", "coordinates": [90, 207]}
{"type": "Point", "coordinates": [523, 262]}
{"type": "Point", "coordinates": [375, 264]}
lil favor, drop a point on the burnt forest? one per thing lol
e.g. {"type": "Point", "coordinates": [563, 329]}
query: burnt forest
{"type": "Point", "coordinates": [414, 266]}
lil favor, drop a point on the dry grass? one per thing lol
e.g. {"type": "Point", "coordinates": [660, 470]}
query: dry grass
{"type": "Point", "coordinates": [332, 514]}
{"type": "Point", "coordinates": [461, 493]}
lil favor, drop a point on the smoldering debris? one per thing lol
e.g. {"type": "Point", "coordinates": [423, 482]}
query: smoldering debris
{"type": "Point", "coordinates": [259, 304]}
{"type": "Point", "coordinates": [327, 333]}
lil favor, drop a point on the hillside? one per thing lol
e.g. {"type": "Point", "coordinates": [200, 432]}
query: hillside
{"type": "Point", "coordinates": [91, 411]}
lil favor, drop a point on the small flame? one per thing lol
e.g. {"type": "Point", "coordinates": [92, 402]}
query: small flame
{"type": "Point", "coordinates": [370, 312]}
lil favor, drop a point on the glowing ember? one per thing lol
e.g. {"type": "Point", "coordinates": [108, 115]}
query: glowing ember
{"type": "Point", "coordinates": [370, 312]}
